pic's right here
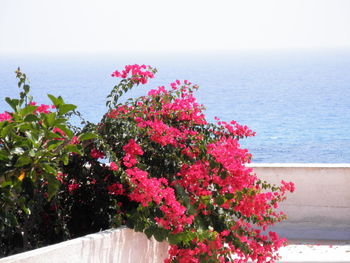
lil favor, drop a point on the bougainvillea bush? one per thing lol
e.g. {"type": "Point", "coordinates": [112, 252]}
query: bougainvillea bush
{"type": "Point", "coordinates": [186, 178]}
{"type": "Point", "coordinates": [159, 167]}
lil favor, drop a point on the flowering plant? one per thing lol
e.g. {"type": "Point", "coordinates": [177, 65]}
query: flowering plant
{"type": "Point", "coordinates": [185, 179]}
{"type": "Point", "coordinates": [170, 174]}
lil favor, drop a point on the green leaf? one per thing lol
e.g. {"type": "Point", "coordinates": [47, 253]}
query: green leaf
{"type": "Point", "coordinates": [5, 131]}
{"type": "Point", "coordinates": [31, 118]}
{"type": "Point", "coordinates": [219, 200]}
{"type": "Point", "coordinates": [86, 136]}
{"type": "Point", "coordinates": [53, 185]}
{"type": "Point", "coordinates": [26, 88]}
{"type": "Point", "coordinates": [73, 148]}
{"type": "Point", "coordinates": [49, 119]}
{"type": "Point", "coordinates": [14, 103]}
{"type": "Point", "coordinates": [65, 159]}
{"type": "Point", "coordinates": [139, 226]}
{"type": "Point", "coordinates": [173, 239]}
{"type": "Point", "coordinates": [51, 145]}
{"type": "Point", "coordinates": [229, 196]}
{"type": "Point", "coordinates": [63, 109]}
{"type": "Point", "coordinates": [60, 121]}
{"type": "Point", "coordinates": [23, 160]}
{"type": "Point", "coordinates": [149, 231]}
{"type": "Point", "coordinates": [3, 155]}
{"type": "Point", "coordinates": [56, 101]}
{"type": "Point", "coordinates": [28, 110]}
{"type": "Point", "coordinates": [48, 169]}
{"type": "Point", "coordinates": [160, 234]}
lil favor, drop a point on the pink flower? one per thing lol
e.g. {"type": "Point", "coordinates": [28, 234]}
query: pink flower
{"type": "Point", "coordinates": [5, 116]}
{"type": "Point", "coordinates": [43, 109]}
{"type": "Point", "coordinates": [116, 189]}
{"type": "Point", "coordinates": [59, 131]}
{"type": "Point", "coordinates": [113, 166]}
{"type": "Point", "coordinates": [133, 148]}
{"type": "Point", "coordinates": [75, 140]}
{"type": "Point", "coordinates": [138, 74]}
{"type": "Point", "coordinates": [287, 186]}
{"type": "Point", "coordinates": [61, 176]}
{"type": "Point", "coordinates": [73, 187]}
{"type": "Point", "coordinates": [96, 154]}
{"type": "Point", "coordinates": [225, 233]}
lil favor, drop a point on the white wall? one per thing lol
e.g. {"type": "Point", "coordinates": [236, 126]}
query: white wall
{"type": "Point", "coordinates": [120, 245]}
{"type": "Point", "coordinates": [320, 206]}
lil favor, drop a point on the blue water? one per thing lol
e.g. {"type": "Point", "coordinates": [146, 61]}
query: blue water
{"type": "Point", "coordinates": [297, 102]}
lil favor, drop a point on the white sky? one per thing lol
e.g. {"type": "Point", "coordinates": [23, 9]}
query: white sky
{"type": "Point", "coordinates": [176, 25]}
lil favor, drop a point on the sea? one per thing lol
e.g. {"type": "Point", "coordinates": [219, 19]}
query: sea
{"type": "Point", "coordinates": [297, 101]}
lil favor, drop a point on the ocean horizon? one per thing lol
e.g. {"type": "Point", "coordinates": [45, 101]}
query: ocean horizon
{"type": "Point", "coordinates": [298, 102]}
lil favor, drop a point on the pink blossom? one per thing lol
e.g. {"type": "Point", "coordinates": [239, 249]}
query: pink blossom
{"type": "Point", "coordinates": [73, 187]}
{"type": "Point", "coordinates": [96, 154]}
{"type": "Point", "coordinates": [5, 116]}
{"type": "Point", "coordinates": [59, 131]}
{"type": "Point", "coordinates": [113, 166]}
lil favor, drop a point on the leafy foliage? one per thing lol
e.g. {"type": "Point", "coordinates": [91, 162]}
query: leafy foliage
{"type": "Point", "coordinates": [35, 143]}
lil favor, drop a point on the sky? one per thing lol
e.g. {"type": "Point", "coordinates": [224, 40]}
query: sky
{"type": "Point", "coordinates": [104, 26]}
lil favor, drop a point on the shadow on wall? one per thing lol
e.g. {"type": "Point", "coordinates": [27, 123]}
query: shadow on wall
{"type": "Point", "coordinates": [124, 246]}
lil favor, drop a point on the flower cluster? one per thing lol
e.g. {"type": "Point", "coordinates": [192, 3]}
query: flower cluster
{"type": "Point", "coordinates": [43, 108]}
{"type": "Point", "coordinates": [5, 116]}
{"type": "Point", "coordinates": [139, 74]}
{"type": "Point", "coordinates": [188, 177]}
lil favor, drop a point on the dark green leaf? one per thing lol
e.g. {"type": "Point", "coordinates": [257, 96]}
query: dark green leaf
{"type": "Point", "coordinates": [53, 185]}
{"type": "Point", "coordinates": [219, 200]}
{"type": "Point", "coordinates": [149, 231]}
{"type": "Point", "coordinates": [4, 155]}
{"type": "Point", "coordinates": [23, 160]}
{"type": "Point", "coordinates": [160, 234]}
{"type": "Point", "coordinates": [31, 118]}
{"type": "Point", "coordinates": [26, 88]}
{"type": "Point", "coordinates": [229, 196]}
{"type": "Point", "coordinates": [14, 103]}
{"type": "Point", "coordinates": [86, 136]}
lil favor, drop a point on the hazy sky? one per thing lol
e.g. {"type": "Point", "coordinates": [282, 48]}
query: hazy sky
{"type": "Point", "coordinates": [177, 25]}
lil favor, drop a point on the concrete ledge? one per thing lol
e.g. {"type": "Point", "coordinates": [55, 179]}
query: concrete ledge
{"type": "Point", "coordinates": [320, 206]}
{"type": "Point", "coordinates": [315, 252]}
{"type": "Point", "coordinates": [123, 245]}
{"type": "Point", "coordinates": [120, 245]}
{"type": "Point", "coordinates": [301, 165]}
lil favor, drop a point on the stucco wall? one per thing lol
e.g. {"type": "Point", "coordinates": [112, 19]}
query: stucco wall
{"type": "Point", "coordinates": [120, 245]}
{"type": "Point", "coordinates": [320, 206]}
